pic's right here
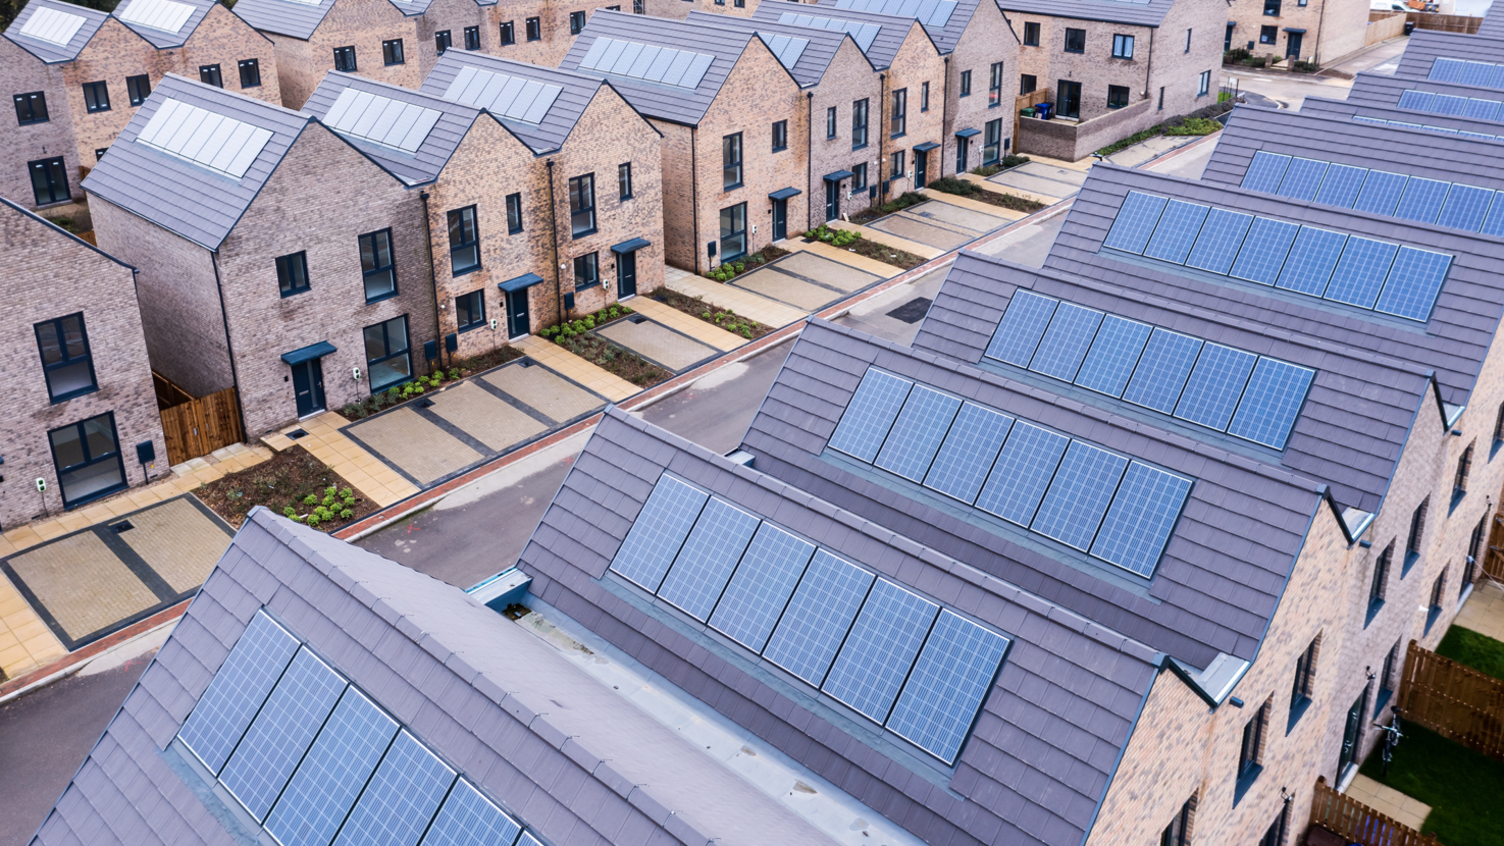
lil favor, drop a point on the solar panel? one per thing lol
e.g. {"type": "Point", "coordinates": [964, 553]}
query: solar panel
{"type": "Point", "coordinates": [1162, 370]}
{"type": "Point", "coordinates": [870, 414]}
{"type": "Point", "coordinates": [1065, 343]}
{"type": "Point", "coordinates": [659, 531]}
{"type": "Point", "coordinates": [1465, 208]}
{"type": "Point", "coordinates": [1271, 403]}
{"type": "Point", "coordinates": [402, 797]}
{"type": "Point", "coordinates": [1341, 186]}
{"type": "Point", "coordinates": [1422, 200]}
{"type": "Point", "coordinates": [381, 120]}
{"type": "Point", "coordinates": [1264, 250]}
{"type": "Point", "coordinates": [1022, 473]}
{"type": "Point", "coordinates": [1138, 525]}
{"type": "Point", "coordinates": [468, 818]}
{"type": "Point", "coordinates": [786, 48]}
{"type": "Point", "coordinates": [708, 557]}
{"type": "Point", "coordinates": [239, 687]}
{"type": "Point", "coordinates": [527, 839]}
{"type": "Point", "coordinates": [1023, 324]}
{"type": "Point", "coordinates": [1413, 283]}
{"type": "Point", "coordinates": [1177, 231]}
{"type": "Point", "coordinates": [680, 68]}
{"type": "Point", "coordinates": [1381, 192]}
{"type": "Point", "coordinates": [1212, 392]}
{"type": "Point", "coordinates": [1078, 497]}
{"type": "Point", "coordinates": [1494, 223]}
{"type": "Point", "coordinates": [1113, 356]}
{"type": "Point", "coordinates": [968, 452]}
{"type": "Point", "coordinates": [52, 26]}
{"type": "Point", "coordinates": [281, 733]}
{"type": "Point", "coordinates": [1220, 239]}
{"type": "Point", "coordinates": [1311, 261]}
{"type": "Point", "coordinates": [761, 586]}
{"type": "Point", "coordinates": [1446, 70]}
{"type": "Point", "coordinates": [818, 617]}
{"type": "Point", "coordinates": [203, 137]}
{"type": "Point", "coordinates": [1482, 109]}
{"type": "Point", "coordinates": [881, 648]}
{"type": "Point", "coordinates": [916, 436]}
{"type": "Point", "coordinates": [1479, 74]}
{"type": "Point", "coordinates": [1135, 222]}
{"type": "Point", "coordinates": [1416, 101]}
{"type": "Point", "coordinates": [332, 774]}
{"type": "Point", "coordinates": [166, 15]}
{"type": "Point", "coordinates": [1361, 271]}
{"type": "Point", "coordinates": [951, 680]}
{"type": "Point", "coordinates": [1303, 180]}
{"type": "Point", "coordinates": [1265, 172]}
{"type": "Point", "coordinates": [503, 95]}
{"type": "Point", "coordinates": [862, 33]}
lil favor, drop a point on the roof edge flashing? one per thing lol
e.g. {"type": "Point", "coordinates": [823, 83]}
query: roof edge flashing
{"type": "Point", "coordinates": [1215, 682]}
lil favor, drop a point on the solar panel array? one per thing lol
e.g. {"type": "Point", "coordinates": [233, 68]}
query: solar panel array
{"type": "Point", "coordinates": [1451, 105]}
{"type": "Point", "coordinates": [680, 68]}
{"type": "Point", "coordinates": [166, 15]}
{"type": "Point", "coordinates": [1331, 265]}
{"type": "Point", "coordinates": [862, 639]}
{"type": "Point", "coordinates": [931, 13]}
{"type": "Point", "coordinates": [1464, 72]}
{"type": "Point", "coordinates": [317, 762]}
{"type": "Point", "coordinates": [1440, 130]}
{"type": "Point", "coordinates": [1056, 486]}
{"type": "Point", "coordinates": [862, 33]}
{"type": "Point", "coordinates": [512, 97]}
{"type": "Point", "coordinates": [206, 138]}
{"type": "Point", "coordinates": [381, 120]}
{"type": "Point", "coordinates": [787, 48]}
{"type": "Point", "coordinates": [52, 26]}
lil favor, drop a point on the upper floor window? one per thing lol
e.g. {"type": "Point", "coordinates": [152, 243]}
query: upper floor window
{"type": "Point", "coordinates": [1204, 84]}
{"type": "Point", "coordinates": [1027, 82]}
{"type": "Point", "coordinates": [1417, 534]}
{"type": "Point", "coordinates": [924, 96]}
{"type": "Point", "coordinates": [391, 52]}
{"type": "Point", "coordinates": [1271, 8]}
{"type": "Point", "coordinates": [344, 59]}
{"type": "Point", "coordinates": [292, 274]}
{"type": "Point", "coordinates": [1031, 35]}
{"type": "Point", "coordinates": [534, 29]}
{"type": "Point", "coordinates": [1459, 479]}
{"type": "Point", "coordinates": [464, 241]}
{"type": "Point", "coordinates": [639, 7]}
{"type": "Point", "coordinates": [859, 124]}
{"type": "Point", "coordinates": [1075, 41]}
{"type": "Point", "coordinates": [1251, 752]}
{"type": "Point", "coordinates": [1379, 583]}
{"type": "Point", "coordinates": [508, 34]}
{"type": "Point", "coordinates": [1275, 834]}
{"type": "Point", "coordinates": [1438, 595]}
{"type": "Point", "coordinates": [1178, 832]}
{"type": "Point", "coordinates": [576, 22]}
{"type": "Point", "coordinates": [376, 265]}
{"type": "Point", "coordinates": [830, 132]}
{"type": "Point", "coordinates": [624, 181]}
{"type": "Point", "coordinates": [1305, 674]}
{"type": "Point", "coordinates": [1122, 46]}
{"type": "Point", "coordinates": [900, 124]}
{"type": "Point", "coordinates": [442, 41]}
{"type": "Point", "coordinates": [250, 73]}
{"type": "Point", "coordinates": [31, 108]}
{"type": "Point", "coordinates": [470, 310]}
{"type": "Point", "coordinates": [780, 135]}
{"type": "Point", "coordinates": [995, 85]}
{"type": "Point", "coordinates": [731, 161]}
{"type": "Point", "coordinates": [582, 205]}
{"type": "Point", "coordinates": [138, 88]}
{"type": "Point", "coordinates": [209, 75]}
{"type": "Point", "coordinates": [1388, 682]}
{"type": "Point", "coordinates": [96, 97]}
{"type": "Point", "coordinates": [472, 38]}
{"type": "Point", "coordinates": [1188, 39]}
{"type": "Point", "coordinates": [514, 213]}
{"type": "Point", "coordinates": [66, 361]}
{"type": "Point", "coordinates": [1499, 427]}
{"type": "Point", "coordinates": [965, 83]}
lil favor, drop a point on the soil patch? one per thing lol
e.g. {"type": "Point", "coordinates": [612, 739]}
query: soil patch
{"type": "Point", "coordinates": [614, 359]}
{"type": "Point", "coordinates": [973, 191]}
{"type": "Point", "coordinates": [713, 314]}
{"type": "Point", "coordinates": [286, 481]}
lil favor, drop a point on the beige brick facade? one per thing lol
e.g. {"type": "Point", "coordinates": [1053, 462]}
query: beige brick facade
{"type": "Point", "coordinates": [680, 9]}
{"type": "Point", "coordinates": [848, 79]}
{"type": "Point", "coordinates": [1332, 28]}
{"type": "Point", "coordinates": [988, 39]}
{"type": "Point", "coordinates": [916, 68]}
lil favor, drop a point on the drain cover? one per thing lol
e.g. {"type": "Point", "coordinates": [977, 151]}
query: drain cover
{"type": "Point", "coordinates": [526, 362]}
{"type": "Point", "coordinates": [296, 433]}
{"type": "Point", "coordinates": [912, 311]}
{"type": "Point", "coordinates": [122, 526]}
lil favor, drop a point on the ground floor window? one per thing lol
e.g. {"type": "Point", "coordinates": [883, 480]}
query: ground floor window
{"type": "Point", "coordinates": [470, 310]}
{"type": "Point", "coordinates": [1117, 96]}
{"type": "Point", "coordinates": [734, 232]}
{"type": "Point", "coordinates": [992, 141]}
{"type": "Point", "coordinates": [49, 181]}
{"type": "Point", "coordinates": [587, 271]}
{"type": "Point", "coordinates": [388, 361]}
{"type": "Point", "coordinates": [87, 457]}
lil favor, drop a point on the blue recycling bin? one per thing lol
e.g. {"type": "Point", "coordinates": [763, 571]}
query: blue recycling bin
{"type": "Point", "coordinates": [1043, 111]}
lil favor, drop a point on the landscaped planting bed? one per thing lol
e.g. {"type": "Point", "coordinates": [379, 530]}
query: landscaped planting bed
{"type": "Point", "coordinates": [728, 270]}
{"type": "Point", "coordinates": [973, 191]}
{"type": "Point", "coordinates": [285, 483]}
{"type": "Point", "coordinates": [849, 240]}
{"type": "Point", "coordinates": [578, 337]}
{"type": "Point", "coordinates": [899, 203]}
{"type": "Point", "coordinates": [715, 315]}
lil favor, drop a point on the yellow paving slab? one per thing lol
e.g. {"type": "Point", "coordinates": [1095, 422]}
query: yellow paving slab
{"type": "Point", "coordinates": [557, 358]}
{"type": "Point", "coordinates": [422, 449]}
{"type": "Point", "coordinates": [924, 251]}
{"type": "Point", "coordinates": [22, 537]}
{"type": "Point", "coordinates": [1001, 189]}
{"type": "Point", "coordinates": [177, 541]}
{"type": "Point", "coordinates": [1007, 215]}
{"type": "Point", "coordinates": [1388, 801]}
{"type": "Point", "coordinates": [759, 308]}
{"type": "Point", "coordinates": [1484, 610]}
{"type": "Point", "coordinates": [694, 327]}
{"type": "Point", "coordinates": [82, 584]}
{"type": "Point", "coordinates": [1083, 164]}
{"type": "Point", "coordinates": [18, 656]}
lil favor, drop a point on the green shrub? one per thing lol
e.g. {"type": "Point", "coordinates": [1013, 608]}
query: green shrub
{"type": "Point", "coordinates": [1256, 61]}
{"type": "Point", "coordinates": [952, 185]}
{"type": "Point", "coordinates": [1014, 161]}
{"type": "Point", "coordinates": [346, 514]}
{"type": "Point", "coordinates": [1235, 55]}
{"type": "Point", "coordinates": [290, 512]}
{"type": "Point", "coordinates": [310, 500]}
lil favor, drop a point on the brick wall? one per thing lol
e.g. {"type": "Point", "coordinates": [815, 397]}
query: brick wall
{"type": "Point", "coordinates": [680, 9]}
{"type": "Point", "coordinates": [1333, 28]}
{"type": "Point", "coordinates": [1178, 70]}
{"type": "Point", "coordinates": [22, 73]}
{"type": "Point", "coordinates": [847, 79]}
{"type": "Point", "coordinates": [554, 39]}
{"type": "Point", "coordinates": [364, 25]}
{"type": "Point", "coordinates": [451, 16]}
{"type": "Point", "coordinates": [1070, 141]}
{"type": "Point", "coordinates": [224, 39]}
{"type": "Point", "coordinates": [988, 38]}
{"type": "Point", "coordinates": [917, 63]}
{"type": "Point", "coordinates": [681, 247]}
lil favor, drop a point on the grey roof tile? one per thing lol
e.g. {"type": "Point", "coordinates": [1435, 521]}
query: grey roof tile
{"type": "Point", "coordinates": [285, 17]}
{"type": "Point", "coordinates": [424, 164]}
{"type": "Point", "coordinates": [1151, 13]}
{"type": "Point", "coordinates": [1425, 46]}
{"type": "Point", "coordinates": [549, 133]}
{"type": "Point", "coordinates": [814, 59]}
{"type": "Point", "coordinates": [46, 50]}
{"type": "Point", "coordinates": [163, 39]}
{"type": "Point", "coordinates": [893, 30]}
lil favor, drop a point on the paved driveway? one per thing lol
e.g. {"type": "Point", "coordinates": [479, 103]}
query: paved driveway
{"type": "Point", "coordinates": [1046, 180]}
{"type": "Point", "coordinates": [665, 347]}
{"type": "Point", "coordinates": [805, 281]}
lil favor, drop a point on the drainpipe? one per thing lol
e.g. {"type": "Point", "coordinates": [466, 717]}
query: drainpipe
{"type": "Point", "coordinates": [224, 315]}
{"type": "Point", "coordinates": [1149, 74]}
{"type": "Point", "coordinates": [433, 281]}
{"type": "Point", "coordinates": [809, 158]}
{"type": "Point", "coordinates": [553, 225]}
{"type": "Point", "coordinates": [1321, 19]}
{"type": "Point", "coordinates": [694, 195]}
{"type": "Point", "coordinates": [882, 134]}
{"type": "Point", "coordinates": [945, 118]}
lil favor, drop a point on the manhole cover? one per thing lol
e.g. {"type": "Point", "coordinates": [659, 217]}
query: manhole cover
{"type": "Point", "coordinates": [296, 433]}
{"type": "Point", "coordinates": [912, 311]}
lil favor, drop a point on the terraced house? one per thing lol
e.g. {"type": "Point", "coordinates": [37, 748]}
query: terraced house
{"type": "Point", "coordinates": [1321, 31]}
{"type": "Point", "coordinates": [77, 75]}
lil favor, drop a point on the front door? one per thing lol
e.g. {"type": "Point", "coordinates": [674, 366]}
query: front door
{"type": "Point", "coordinates": [1292, 45]}
{"type": "Point", "coordinates": [626, 278]}
{"type": "Point", "coordinates": [1068, 99]}
{"type": "Point", "coordinates": [780, 219]}
{"type": "Point", "coordinates": [832, 200]}
{"type": "Point", "coordinates": [961, 145]}
{"type": "Point", "coordinates": [921, 159]}
{"type": "Point", "coordinates": [518, 323]}
{"type": "Point", "coordinates": [308, 386]}
{"type": "Point", "coordinates": [1353, 735]}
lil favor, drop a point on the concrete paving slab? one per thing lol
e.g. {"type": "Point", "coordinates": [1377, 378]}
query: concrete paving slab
{"type": "Point", "coordinates": [761, 309]}
{"type": "Point", "coordinates": [413, 445]}
{"type": "Point", "coordinates": [658, 343]}
{"type": "Point", "coordinates": [1483, 612]}
{"type": "Point", "coordinates": [786, 288]}
{"type": "Point", "coordinates": [81, 584]}
{"type": "Point", "coordinates": [485, 416]}
{"type": "Point", "coordinates": [178, 541]}
{"type": "Point", "coordinates": [826, 271]}
{"type": "Point", "coordinates": [1040, 178]}
{"type": "Point", "coordinates": [544, 390]}
{"type": "Point", "coordinates": [956, 215]}
{"type": "Point", "coordinates": [914, 228]}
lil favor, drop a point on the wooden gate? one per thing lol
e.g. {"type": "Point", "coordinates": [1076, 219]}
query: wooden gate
{"type": "Point", "coordinates": [201, 426]}
{"type": "Point", "coordinates": [1358, 823]}
{"type": "Point", "coordinates": [1453, 700]}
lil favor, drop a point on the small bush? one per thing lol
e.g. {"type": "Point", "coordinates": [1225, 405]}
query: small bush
{"type": "Point", "coordinates": [1014, 161]}
{"type": "Point", "coordinates": [952, 185]}
{"type": "Point", "coordinates": [1235, 55]}
{"type": "Point", "coordinates": [1256, 61]}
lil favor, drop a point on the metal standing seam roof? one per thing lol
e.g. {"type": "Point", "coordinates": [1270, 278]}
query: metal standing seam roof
{"type": "Point", "coordinates": [198, 203]}
{"type": "Point", "coordinates": [285, 17]}
{"type": "Point", "coordinates": [1041, 754]}
{"type": "Point", "coordinates": [161, 13]}
{"type": "Point", "coordinates": [542, 136]}
{"type": "Point", "coordinates": [813, 61]}
{"type": "Point", "coordinates": [1130, 12]}
{"type": "Point", "coordinates": [944, 20]}
{"type": "Point", "coordinates": [48, 50]}
{"type": "Point", "coordinates": [422, 164]}
{"type": "Point", "coordinates": [1426, 46]}
{"type": "Point", "coordinates": [880, 51]}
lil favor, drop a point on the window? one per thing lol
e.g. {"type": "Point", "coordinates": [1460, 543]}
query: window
{"type": "Point", "coordinates": [1075, 41]}
{"type": "Point", "coordinates": [391, 52]}
{"type": "Point", "coordinates": [1271, 8]}
{"type": "Point", "coordinates": [1122, 46]}
{"type": "Point", "coordinates": [897, 169]}
{"type": "Point", "coordinates": [624, 181]}
{"type": "Point", "coordinates": [731, 161]}
{"type": "Point", "coordinates": [740, 4]}
{"type": "Point", "coordinates": [344, 59]}
{"type": "Point", "coordinates": [1378, 585]}
{"type": "Point", "coordinates": [1438, 590]}
{"type": "Point", "coordinates": [992, 141]}
{"type": "Point", "coordinates": [1474, 548]}
{"type": "Point", "coordinates": [586, 271]}
{"type": "Point", "coordinates": [96, 97]}
{"type": "Point", "coordinates": [66, 361]}
{"type": "Point", "coordinates": [995, 85]}
{"type": "Point", "coordinates": [1459, 481]}
{"type": "Point", "coordinates": [1161, 98]}
{"type": "Point", "coordinates": [1117, 96]}
{"type": "Point", "coordinates": [582, 205]}
{"type": "Point", "coordinates": [534, 29]}
{"type": "Point", "coordinates": [900, 123]}
{"type": "Point", "coordinates": [472, 38]}
{"type": "Point", "coordinates": [1275, 835]}
{"type": "Point", "coordinates": [209, 75]}
{"type": "Point", "coordinates": [31, 108]}
{"type": "Point", "coordinates": [965, 83]}
{"type": "Point", "coordinates": [470, 310]}
{"type": "Point", "coordinates": [99, 152]}
{"type": "Point", "coordinates": [49, 181]}
{"type": "Point", "coordinates": [576, 22]}
{"type": "Point", "coordinates": [514, 213]}
{"type": "Point", "coordinates": [1204, 84]}
{"type": "Point", "coordinates": [87, 457]}
{"type": "Point", "coordinates": [1250, 755]}
{"type": "Point", "coordinates": [1268, 34]}
{"type": "Point", "coordinates": [442, 41]}
{"type": "Point", "coordinates": [1499, 426]}
{"type": "Point", "coordinates": [924, 96]}
{"type": "Point", "coordinates": [388, 362]}
{"type": "Point", "coordinates": [508, 34]}
{"type": "Point", "coordinates": [1305, 672]}
{"type": "Point", "coordinates": [250, 73]}
{"type": "Point", "coordinates": [780, 135]}
{"type": "Point", "coordinates": [859, 124]}
{"type": "Point", "coordinates": [733, 232]}
{"type": "Point", "coordinates": [292, 274]}
{"type": "Point", "coordinates": [1416, 536]}
{"type": "Point", "coordinates": [1031, 35]}
{"type": "Point", "coordinates": [1188, 41]}
{"type": "Point", "coordinates": [1178, 832]}
{"type": "Point", "coordinates": [464, 241]}
{"type": "Point", "coordinates": [1388, 683]}
{"type": "Point", "coordinates": [1027, 83]}
{"type": "Point", "coordinates": [830, 132]}
{"type": "Point", "coordinates": [858, 177]}
{"type": "Point", "coordinates": [639, 7]}
{"type": "Point", "coordinates": [380, 275]}
{"type": "Point", "coordinates": [138, 88]}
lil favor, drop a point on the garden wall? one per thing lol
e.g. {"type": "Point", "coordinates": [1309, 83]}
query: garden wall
{"type": "Point", "coordinates": [1383, 26]}
{"type": "Point", "coordinates": [1060, 139]}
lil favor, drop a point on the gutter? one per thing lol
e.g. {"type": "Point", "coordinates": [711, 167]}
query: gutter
{"type": "Point", "coordinates": [809, 158]}
{"type": "Point", "coordinates": [433, 282]}
{"type": "Point", "coordinates": [553, 226]}
{"type": "Point", "coordinates": [224, 315]}
{"type": "Point", "coordinates": [945, 118]}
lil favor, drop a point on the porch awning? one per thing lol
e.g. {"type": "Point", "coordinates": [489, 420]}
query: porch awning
{"type": "Point", "coordinates": [1231, 24]}
{"type": "Point", "coordinates": [631, 246]}
{"type": "Point", "coordinates": [784, 193]}
{"type": "Point", "coordinates": [1293, 29]}
{"type": "Point", "coordinates": [926, 147]}
{"type": "Point", "coordinates": [308, 353]}
{"type": "Point", "coordinates": [526, 280]}
{"type": "Point", "coordinates": [968, 133]}
{"type": "Point", "coordinates": [838, 176]}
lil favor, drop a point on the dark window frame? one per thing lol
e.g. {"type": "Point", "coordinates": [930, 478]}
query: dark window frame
{"type": "Point", "coordinates": [1471, 562]}
{"type": "Point", "coordinates": [1272, 8]}
{"type": "Point", "coordinates": [31, 108]}
{"type": "Point", "coordinates": [388, 355]}
{"type": "Point", "coordinates": [995, 85]}
{"type": "Point", "coordinates": [1028, 83]}
{"type": "Point", "coordinates": [377, 269]}
{"type": "Point", "coordinates": [466, 314]}
{"type": "Point", "coordinates": [965, 84]}
{"type": "Point", "coordinates": [514, 213]}
{"type": "Point", "coordinates": [1117, 96]}
{"type": "Point", "coordinates": [1122, 46]}
{"type": "Point", "coordinates": [138, 88]}
{"type": "Point", "coordinates": [741, 233]}
{"type": "Point", "coordinates": [1498, 439]}
{"type": "Point", "coordinates": [1178, 832]}
{"type": "Point", "coordinates": [581, 204]}
{"type": "Point", "coordinates": [533, 29]}
{"type": "Point", "coordinates": [780, 136]}
{"type": "Point", "coordinates": [443, 40]}
{"type": "Point", "coordinates": [924, 97]}
{"type": "Point", "coordinates": [345, 60]}
{"type": "Point", "coordinates": [1277, 832]}
{"type": "Point", "coordinates": [289, 268]}
{"type": "Point", "coordinates": [1438, 596]}
{"type": "Point", "coordinates": [1459, 478]}
{"type": "Point", "coordinates": [1416, 536]}
{"type": "Point", "coordinates": [1251, 750]}
{"type": "Point", "coordinates": [96, 97]}
{"type": "Point", "coordinates": [1075, 40]}
{"type": "Point", "coordinates": [508, 33]}
{"type": "Point", "coordinates": [831, 121]}
{"type": "Point", "coordinates": [1031, 34]}
{"type": "Point", "coordinates": [211, 75]}
{"type": "Point", "coordinates": [250, 73]}
{"type": "Point", "coordinates": [467, 248]}
{"type": "Point", "coordinates": [587, 271]}
{"type": "Point", "coordinates": [732, 161]}
{"type": "Point", "coordinates": [859, 123]}
{"type": "Point", "coordinates": [1268, 34]}
{"type": "Point", "coordinates": [1378, 585]}
{"type": "Point", "coordinates": [53, 168]}
{"type": "Point", "coordinates": [472, 38]}
{"type": "Point", "coordinates": [65, 360]}
{"type": "Point", "coordinates": [392, 53]}
{"type": "Point", "coordinates": [624, 181]}
{"type": "Point", "coordinates": [576, 23]}
{"type": "Point", "coordinates": [1303, 685]}
{"type": "Point", "coordinates": [992, 140]}
{"type": "Point", "coordinates": [1204, 84]}
{"type": "Point", "coordinates": [89, 460]}
{"type": "Point", "coordinates": [898, 164]}
{"type": "Point", "coordinates": [898, 125]}
{"type": "Point", "coordinates": [858, 177]}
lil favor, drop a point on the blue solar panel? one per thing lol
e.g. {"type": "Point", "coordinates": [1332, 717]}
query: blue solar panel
{"type": "Point", "coordinates": [761, 586]}
{"type": "Point", "coordinates": [1446, 70]}
{"type": "Point", "coordinates": [1022, 473]}
{"type": "Point", "coordinates": [1466, 208]}
{"type": "Point", "coordinates": [818, 617]}
{"type": "Point", "coordinates": [1367, 119]}
{"type": "Point", "coordinates": [1381, 193]}
{"type": "Point", "coordinates": [332, 774]}
{"type": "Point", "coordinates": [1361, 271]}
{"type": "Point", "coordinates": [1220, 239]}
{"type": "Point", "coordinates": [469, 819]}
{"type": "Point", "coordinates": [1211, 394]}
{"type": "Point", "coordinates": [1416, 101]}
{"type": "Point", "coordinates": [1142, 515]}
{"type": "Point", "coordinates": [969, 450]}
{"type": "Point", "coordinates": [1482, 136]}
{"type": "Point", "coordinates": [527, 839]}
{"type": "Point", "coordinates": [1162, 371]}
{"type": "Point", "coordinates": [1113, 355]}
{"type": "Point", "coordinates": [1265, 172]}
{"type": "Point", "coordinates": [1066, 342]}
{"type": "Point", "coordinates": [1413, 283]}
{"type": "Point", "coordinates": [282, 732]}
{"type": "Point", "coordinates": [1495, 77]}
{"type": "Point", "coordinates": [1022, 326]}
{"type": "Point", "coordinates": [1475, 73]}
{"type": "Point", "coordinates": [708, 557]}
{"type": "Point", "coordinates": [1271, 403]}
{"type": "Point", "coordinates": [870, 414]}
{"type": "Point", "coordinates": [1264, 250]}
{"type": "Point", "coordinates": [1341, 186]}
{"type": "Point", "coordinates": [1422, 200]}
{"type": "Point", "coordinates": [1482, 109]}
{"type": "Point", "coordinates": [1135, 222]}
{"type": "Point", "coordinates": [1494, 223]}
{"type": "Point", "coordinates": [951, 680]}
{"type": "Point", "coordinates": [239, 687]}
{"type": "Point", "coordinates": [881, 648]}
{"type": "Point", "coordinates": [1303, 180]}
{"type": "Point", "coordinates": [1078, 497]}
{"type": "Point", "coordinates": [1448, 104]}
{"type": "Point", "coordinates": [660, 529]}
{"type": "Point", "coordinates": [917, 435]}
{"type": "Point", "coordinates": [1177, 231]}
{"type": "Point", "coordinates": [1311, 261]}
{"type": "Point", "coordinates": [402, 797]}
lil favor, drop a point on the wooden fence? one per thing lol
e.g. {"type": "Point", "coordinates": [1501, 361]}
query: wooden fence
{"type": "Point", "coordinates": [1453, 700]}
{"type": "Point", "coordinates": [1383, 26]}
{"type": "Point", "coordinates": [1493, 552]}
{"type": "Point", "coordinates": [1445, 23]}
{"type": "Point", "coordinates": [1355, 822]}
{"type": "Point", "coordinates": [201, 426]}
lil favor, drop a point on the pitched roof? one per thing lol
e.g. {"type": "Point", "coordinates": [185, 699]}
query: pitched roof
{"type": "Point", "coordinates": [544, 134]}
{"type": "Point", "coordinates": [41, 37]}
{"type": "Point", "coordinates": [813, 59]}
{"type": "Point", "coordinates": [164, 23]}
{"type": "Point", "coordinates": [1405, 119]}
{"type": "Point", "coordinates": [1130, 12]}
{"type": "Point", "coordinates": [1427, 45]}
{"type": "Point", "coordinates": [182, 195]}
{"type": "Point", "coordinates": [284, 17]}
{"type": "Point", "coordinates": [1048, 738]}
{"type": "Point", "coordinates": [1492, 25]}
{"type": "Point", "coordinates": [944, 20]}
{"type": "Point", "coordinates": [389, 108]}
{"type": "Point", "coordinates": [58, 230]}
{"type": "Point", "coordinates": [1382, 90]}
{"type": "Point", "coordinates": [880, 36]}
